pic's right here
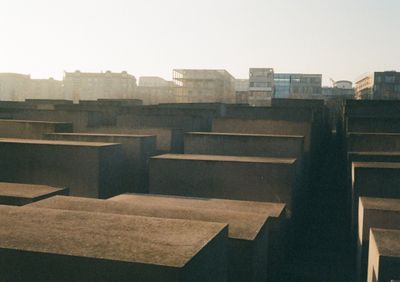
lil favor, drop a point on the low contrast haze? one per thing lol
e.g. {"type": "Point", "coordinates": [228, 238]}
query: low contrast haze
{"type": "Point", "coordinates": [340, 39]}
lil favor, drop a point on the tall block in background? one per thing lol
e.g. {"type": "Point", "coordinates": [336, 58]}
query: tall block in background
{"type": "Point", "coordinates": [29, 129]}
{"type": "Point", "coordinates": [88, 169]}
{"type": "Point", "coordinates": [227, 177]}
{"type": "Point", "coordinates": [169, 140]}
{"type": "Point", "coordinates": [57, 245]}
{"type": "Point", "coordinates": [384, 255]}
{"type": "Point", "coordinates": [137, 150]}
{"type": "Point", "coordinates": [373, 142]}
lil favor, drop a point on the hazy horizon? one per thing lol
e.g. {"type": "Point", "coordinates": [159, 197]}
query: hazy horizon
{"type": "Point", "coordinates": [340, 39]}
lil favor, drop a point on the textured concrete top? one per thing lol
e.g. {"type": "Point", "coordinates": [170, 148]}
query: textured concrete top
{"type": "Point", "coordinates": [273, 209]}
{"type": "Point", "coordinates": [26, 190]}
{"type": "Point", "coordinates": [374, 153]}
{"type": "Point", "coordinates": [380, 203]}
{"type": "Point", "coordinates": [220, 158]}
{"type": "Point", "coordinates": [387, 241]}
{"type": "Point", "coordinates": [242, 225]}
{"type": "Point", "coordinates": [55, 142]}
{"type": "Point", "coordinates": [245, 134]}
{"type": "Point", "coordinates": [148, 240]}
{"type": "Point", "coordinates": [101, 134]}
{"type": "Point", "coordinates": [33, 121]}
{"type": "Point", "coordinates": [377, 165]}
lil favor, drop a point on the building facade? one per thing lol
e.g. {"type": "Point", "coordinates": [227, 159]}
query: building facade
{"type": "Point", "coordinates": [379, 86]}
{"type": "Point", "coordinates": [14, 86]}
{"type": "Point", "coordinates": [203, 86]}
{"type": "Point", "coordinates": [297, 85]}
{"type": "Point", "coordinates": [155, 90]}
{"type": "Point", "coordinates": [45, 89]}
{"type": "Point", "coordinates": [261, 86]}
{"type": "Point", "coordinates": [92, 86]}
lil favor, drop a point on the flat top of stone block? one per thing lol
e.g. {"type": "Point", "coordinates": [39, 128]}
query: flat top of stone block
{"type": "Point", "coordinates": [389, 165]}
{"type": "Point", "coordinates": [245, 134]}
{"type": "Point", "coordinates": [274, 209]}
{"type": "Point", "coordinates": [33, 121]}
{"type": "Point", "coordinates": [148, 240]}
{"type": "Point", "coordinates": [373, 134]}
{"type": "Point", "coordinates": [55, 142]}
{"type": "Point", "coordinates": [387, 241]}
{"type": "Point", "coordinates": [26, 190]}
{"type": "Point", "coordinates": [380, 204]}
{"type": "Point", "coordinates": [242, 225]}
{"type": "Point", "coordinates": [216, 158]}
{"type": "Point", "coordinates": [102, 134]}
{"type": "Point", "coordinates": [374, 153]}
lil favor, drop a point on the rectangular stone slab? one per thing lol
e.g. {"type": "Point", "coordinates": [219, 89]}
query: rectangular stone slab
{"type": "Point", "coordinates": [227, 177]}
{"type": "Point", "coordinates": [136, 148]}
{"type": "Point", "coordinates": [169, 140]}
{"type": "Point", "coordinates": [374, 213]}
{"type": "Point", "coordinates": [248, 232]}
{"type": "Point", "coordinates": [18, 194]}
{"type": "Point", "coordinates": [370, 142]}
{"type": "Point", "coordinates": [57, 245]}
{"type": "Point", "coordinates": [384, 255]}
{"type": "Point", "coordinates": [88, 169]}
{"type": "Point", "coordinates": [374, 179]}
{"type": "Point", "coordinates": [373, 124]}
{"type": "Point", "coordinates": [31, 129]}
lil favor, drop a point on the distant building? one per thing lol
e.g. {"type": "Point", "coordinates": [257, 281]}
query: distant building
{"type": "Point", "coordinates": [241, 84]}
{"type": "Point", "coordinates": [379, 86]}
{"type": "Point", "coordinates": [45, 89]}
{"type": "Point", "coordinates": [155, 90]}
{"type": "Point", "coordinates": [92, 86]}
{"type": "Point", "coordinates": [297, 85]}
{"type": "Point", "coordinates": [14, 86]}
{"type": "Point", "coordinates": [204, 86]}
{"type": "Point", "coordinates": [343, 84]}
{"type": "Point", "coordinates": [261, 86]}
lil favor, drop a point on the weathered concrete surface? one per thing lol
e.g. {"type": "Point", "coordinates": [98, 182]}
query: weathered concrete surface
{"type": "Point", "coordinates": [265, 126]}
{"type": "Point", "coordinates": [88, 169]}
{"type": "Point", "coordinates": [374, 179]}
{"type": "Point", "coordinates": [277, 239]}
{"type": "Point", "coordinates": [18, 194]}
{"type": "Point", "coordinates": [57, 245]}
{"type": "Point", "coordinates": [248, 232]}
{"type": "Point", "coordinates": [374, 124]}
{"type": "Point", "coordinates": [384, 255]}
{"type": "Point", "coordinates": [31, 129]}
{"type": "Point", "coordinates": [241, 144]}
{"type": "Point", "coordinates": [227, 177]}
{"type": "Point", "coordinates": [137, 150]}
{"type": "Point", "coordinates": [374, 213]}
{"type": "Point", "coordinates": [169, 140]}
{"type": "Point", "coordinates": [370, 142]}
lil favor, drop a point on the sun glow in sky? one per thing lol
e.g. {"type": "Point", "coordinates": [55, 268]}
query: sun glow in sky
{"type": "Point", "coordinates": [340, 39]}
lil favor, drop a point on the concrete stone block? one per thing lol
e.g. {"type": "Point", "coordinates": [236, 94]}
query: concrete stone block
{"type": "Point", "coordinates": [31, 129]}
{"type": "Point", "coordinates": [18, 194]}
{"type": "Point", "coordinates": [137, 150]}
{"type": "Point", "coordinates": [373, 142]}
{"type": "Point", "coordinates": [248, 232]}
{"type": "Point", "coordinates": [57, 245]}
{"type": "Point", "coordinates": [228, 177]}
{"type": "Point", "coordinates": [375, 124]}
{"type": "Point", "coordinates": [88, 169]}
{"type": "Point", "coordinates": [374, 213]}
{"type": "Point", "coordinates": [374, 179]}
{"type": "Point", "coordinates": [169, 140]}
{"type": "Point", "coordinates": [384, 255]}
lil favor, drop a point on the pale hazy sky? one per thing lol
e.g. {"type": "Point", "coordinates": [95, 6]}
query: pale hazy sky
{"type": "Point", "coordinates": [340, 39]}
